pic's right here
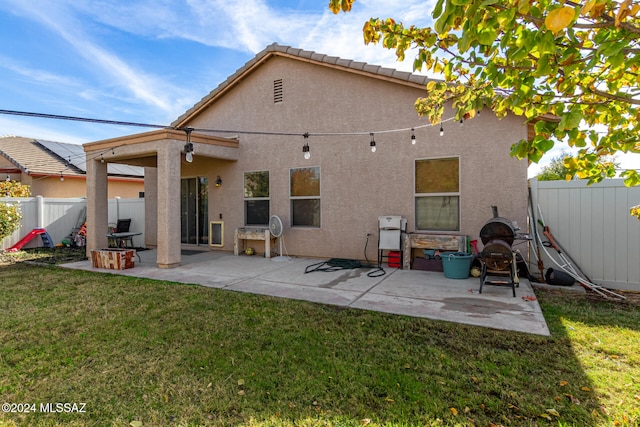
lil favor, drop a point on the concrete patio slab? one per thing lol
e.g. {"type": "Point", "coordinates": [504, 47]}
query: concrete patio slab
{"type": "Point", "coordinates": [403, 292]}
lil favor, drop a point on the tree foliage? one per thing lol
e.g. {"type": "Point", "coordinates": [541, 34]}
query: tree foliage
{"type": "Point", "coordinates": [571, 68]}
{"type": "Point", "coordinates": [14, 189]}
{"type": "Point", "coordinates": [555, 170]}
{"type": "Point", "coordinates": [10, 214]}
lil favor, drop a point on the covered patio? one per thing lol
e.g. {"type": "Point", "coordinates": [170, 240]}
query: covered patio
{"type": "Point", "coordinates": [403, 292]}
{"type": "Point", "coordinates": [162, 154]}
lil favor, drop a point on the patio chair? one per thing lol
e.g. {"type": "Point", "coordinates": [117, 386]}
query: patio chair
{"type": "Point", "coordinates": [123, 225]}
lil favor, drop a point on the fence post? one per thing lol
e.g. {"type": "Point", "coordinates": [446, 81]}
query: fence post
{"type": "Point", "coordinates": [40, 211]}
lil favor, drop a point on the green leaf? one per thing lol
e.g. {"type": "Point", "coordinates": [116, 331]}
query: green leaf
{"type": "Point", "coordinates": [487, 36]}
{"type": "Point", "coordinates": [570, 120]}
{"type": "Point", "coordinates": [543, 144]}
{"type": "Point", "coordinates": [546, 43]}
{"type": "Point", "coordinates": [437, 9]}
{"type": "Point", "coordinates": [544, 66]}
{"type": "Point", "coordinates": [631, 179]}
{"type": "Point", "coordinates": [520, 150]}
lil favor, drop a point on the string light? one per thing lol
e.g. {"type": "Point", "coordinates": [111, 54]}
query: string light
{"type": "Point", "coordinates": [61, 177]}
{"type": "Point", "coordinates": [232, 131]}
{"type": "Point", "coordinates": [188, 147]}
{"type": "Point", "coordinates": [305, 147]}
{"type": "Point", "coordinates": [189, 151]}
{"type": "Point", "coordinates": [461, 122]}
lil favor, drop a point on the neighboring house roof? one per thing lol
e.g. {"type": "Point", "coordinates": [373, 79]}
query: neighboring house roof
{"type": "Point", "coordinates": [40, 157]}
{"type": "Point", "coordinates": [375, 71]}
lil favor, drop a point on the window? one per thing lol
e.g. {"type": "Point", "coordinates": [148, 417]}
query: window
{"type": "Point", "coordinates": [256, 198]}
{"type": "Point", "coordinates": [305, 197]}
{"type": "Point", "coordinates": [437, 194]}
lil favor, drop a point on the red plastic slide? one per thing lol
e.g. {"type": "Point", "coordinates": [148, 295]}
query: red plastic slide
{"type": "Point", "coordinates": [46, 240]}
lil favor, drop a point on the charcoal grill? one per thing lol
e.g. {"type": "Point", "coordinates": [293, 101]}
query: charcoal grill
{"type": "Point", "coordinates": [498, 259]}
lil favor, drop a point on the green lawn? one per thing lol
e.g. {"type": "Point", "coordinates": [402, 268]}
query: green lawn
{"type": "Point", "coordinates": [142, 352]}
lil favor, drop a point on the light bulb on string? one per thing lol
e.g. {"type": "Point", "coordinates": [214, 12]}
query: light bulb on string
{"type": "Point", "coordinates": [413, 137]}
{"type": "Point", "coordinates": [305, 148]}
{"type": "Point", "coordinates": [372, 144]}
{"type": "Point", "coordinates": [61, 177]}
{"type": "Point", "coordinates": [188, 147]}
{"type": "Point", "coordinates": [441, 130]}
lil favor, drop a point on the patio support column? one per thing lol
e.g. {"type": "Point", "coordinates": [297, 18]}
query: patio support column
{"type": "Point", "coordinates": [97, 205]}
{"type": "Point", "coordinates": [151, 207]}
{"type": "Point", "coordinates": [168, 223]}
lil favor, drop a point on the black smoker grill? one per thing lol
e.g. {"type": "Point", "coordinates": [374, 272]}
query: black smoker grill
{"type": "Point", "coordinates": [498, 259]}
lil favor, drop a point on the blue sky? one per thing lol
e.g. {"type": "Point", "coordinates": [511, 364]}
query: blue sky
{"type": "Point", "coordinates": [148, 61]}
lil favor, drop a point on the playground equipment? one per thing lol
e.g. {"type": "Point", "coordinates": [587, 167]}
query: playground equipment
{"type": "Point", "coordinates": [46, 239]}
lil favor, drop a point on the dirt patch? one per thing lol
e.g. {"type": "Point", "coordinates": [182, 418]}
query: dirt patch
{"type": "Point", "coordinates": [632, 298]}
{"type": "Point", "coordinates": [51, 256]}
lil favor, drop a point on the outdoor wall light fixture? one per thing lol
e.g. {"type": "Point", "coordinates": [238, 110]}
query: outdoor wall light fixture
{"type": "Point", "coordinates": [305, 148]}
{"type": "Point", "coordinates": [188, 147]}
{"type": "Point", "coordinates": [372, 144]}
{"type": "Point", "coordinates": [413, 137]}
{"type": "Point", "coordinates": [218, 181]}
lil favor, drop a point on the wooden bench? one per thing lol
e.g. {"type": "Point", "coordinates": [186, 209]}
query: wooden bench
{"type": "Point", "coordinates": [442, 242]}
{"type": "Point", "coordinates": [253, 233]}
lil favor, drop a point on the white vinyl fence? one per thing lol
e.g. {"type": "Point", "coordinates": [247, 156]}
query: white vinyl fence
{"type": "Point", "coordinates": [61, 217]}
{"type": "Point", "coordinates": [593, 226]}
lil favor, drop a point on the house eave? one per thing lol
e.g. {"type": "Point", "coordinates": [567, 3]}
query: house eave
{"type": "Point", "coordinates": [162, 134]}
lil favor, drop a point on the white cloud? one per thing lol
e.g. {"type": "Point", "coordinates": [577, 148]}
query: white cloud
{"type": "Point", "coordinates": [34, 74]}
{"type": "Point", "coordinates": [141, 85]}
{"type": "Point", "coordinates": [36, 129]}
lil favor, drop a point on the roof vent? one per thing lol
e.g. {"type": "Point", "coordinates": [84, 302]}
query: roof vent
{"type": "Point", "coordinates": [277, 91]}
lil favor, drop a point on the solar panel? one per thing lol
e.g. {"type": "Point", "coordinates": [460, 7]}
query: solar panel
{"type": "Point", "coordinates": [75, 155]}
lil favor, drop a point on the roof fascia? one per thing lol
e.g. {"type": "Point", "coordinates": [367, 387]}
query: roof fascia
{"type": "Point", "coordinates": [157, 135]}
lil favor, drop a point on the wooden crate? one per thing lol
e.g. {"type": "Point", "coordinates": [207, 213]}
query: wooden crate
{"type": "Point", "coordinates": [113, 259]}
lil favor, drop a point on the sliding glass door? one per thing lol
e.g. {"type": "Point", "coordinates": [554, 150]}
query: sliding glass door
{"type": "Point", "coordinates": [194, 204]}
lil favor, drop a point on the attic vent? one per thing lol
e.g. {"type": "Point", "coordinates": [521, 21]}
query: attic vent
{"type": "Point", "coordinates": [277, 91]}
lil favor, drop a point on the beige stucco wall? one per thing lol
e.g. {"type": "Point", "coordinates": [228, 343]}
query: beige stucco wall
{"type": "Point", "coordinates": [357, 186]}
{"type": "Point", "coordinates": [75, 186]}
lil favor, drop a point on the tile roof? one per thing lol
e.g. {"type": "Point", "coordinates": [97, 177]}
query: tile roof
{"type": "Point", "coordinates": [39, 157]}
{"type": "Point", "coordinates": [401, 77]}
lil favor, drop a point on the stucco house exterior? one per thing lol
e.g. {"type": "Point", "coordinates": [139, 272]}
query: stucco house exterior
{"type": "Point", "coordinates": [57, 169]}
{"type": "Point", "coordinates": [251, 134]}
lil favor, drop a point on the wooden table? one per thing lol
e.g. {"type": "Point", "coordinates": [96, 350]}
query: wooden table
{"type": "Point", "coordinates": [442, 242]}
{"type": "Point", "coordinates": [120, 239]}
{"type": "Point", "coordinates": [253, 233]}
